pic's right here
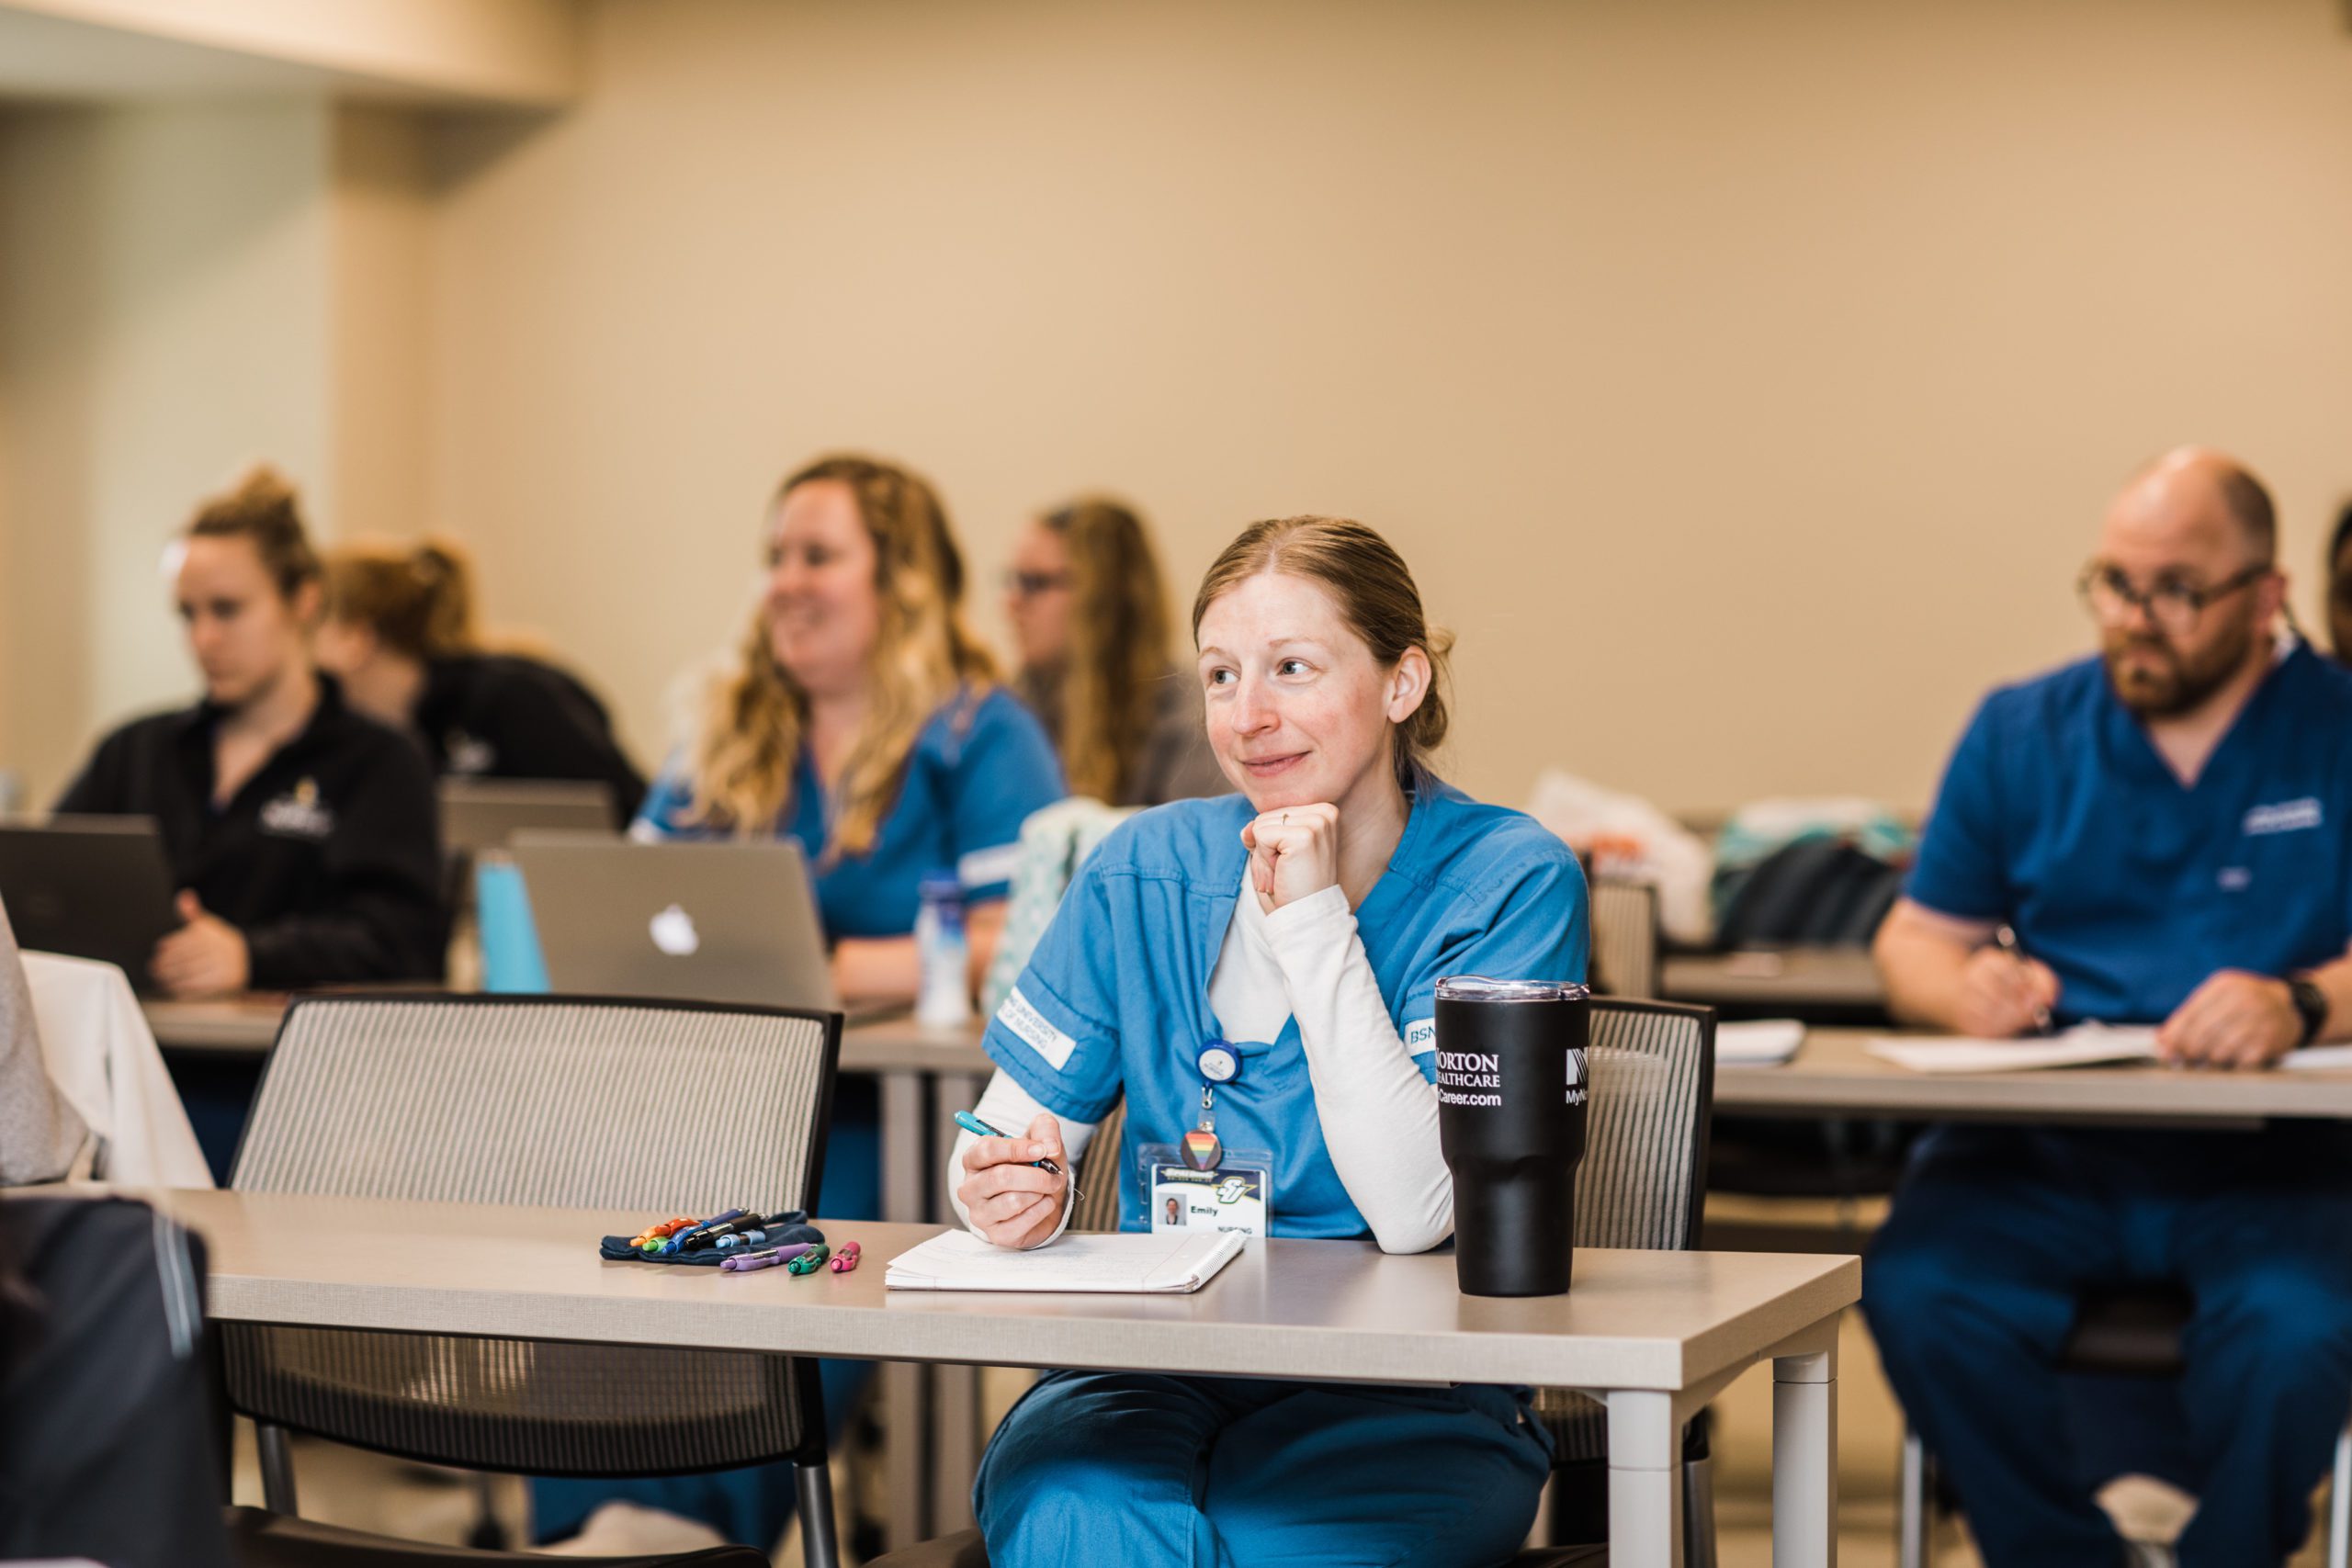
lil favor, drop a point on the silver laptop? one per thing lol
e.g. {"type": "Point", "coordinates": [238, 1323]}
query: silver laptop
{"type": "Point", "coordinates": [90, 887]}
{"type": "Point", "coordinates": [483, 814]}
{"type": "Point", "coordinates": [718, 922]}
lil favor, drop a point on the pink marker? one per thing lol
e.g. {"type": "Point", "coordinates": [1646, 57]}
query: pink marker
{"type": "Point", "coordinates": [845, 1258]}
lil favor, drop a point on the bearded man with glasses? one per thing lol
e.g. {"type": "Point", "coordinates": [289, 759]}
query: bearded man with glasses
{"type": "Point", "coordinates": [2159, 836]}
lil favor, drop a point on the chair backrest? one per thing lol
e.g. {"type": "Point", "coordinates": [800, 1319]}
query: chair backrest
{"type": "Point", "coordinates": [1644, 1180]}
{"type": "Point", "coordinates": [652, 1108]}
{"type": "Point", "coordinates": [1624, 938]}
{"type": "Point", "coordinates": [1097, 1207]}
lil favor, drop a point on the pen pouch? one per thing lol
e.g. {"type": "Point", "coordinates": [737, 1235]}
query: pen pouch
{"type": "Point", "coordinates": [616, 1249]}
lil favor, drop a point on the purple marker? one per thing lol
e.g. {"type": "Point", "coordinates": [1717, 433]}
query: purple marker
{"type": "Point", "coordinates": [768, 1259]}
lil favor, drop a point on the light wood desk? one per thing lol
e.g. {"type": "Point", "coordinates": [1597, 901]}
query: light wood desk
{"type": "Point", "coordinates": [1797, 982]}
{"type": "Point", "coordinates": [238, 1027]}
{"type": "Point", "coordinates": [1834, 1075]}
{"type": "Point", "coordinates": [1653, 1335]}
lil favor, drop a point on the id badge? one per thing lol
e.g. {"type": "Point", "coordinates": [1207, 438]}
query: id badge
{"type": "Point", "coordinates": [1236, 1194]}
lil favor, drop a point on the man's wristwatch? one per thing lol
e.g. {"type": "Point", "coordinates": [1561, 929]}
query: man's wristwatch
{"type": "Point", "coordinates": [2311, 1006]}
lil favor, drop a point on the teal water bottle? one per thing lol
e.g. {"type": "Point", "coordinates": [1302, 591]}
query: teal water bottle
{"type": "Point", "coordinates": [511, 959]}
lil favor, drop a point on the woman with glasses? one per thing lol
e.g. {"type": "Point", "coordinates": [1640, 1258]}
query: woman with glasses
{"type": "Point", "coordinates": [1089, 613]}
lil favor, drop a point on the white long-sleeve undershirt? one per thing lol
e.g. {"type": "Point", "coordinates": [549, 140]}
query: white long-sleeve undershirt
{"type": "Point", "coordinates": [1378, 1115]}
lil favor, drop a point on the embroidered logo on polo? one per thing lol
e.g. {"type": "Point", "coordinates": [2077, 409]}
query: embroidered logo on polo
{"type": "Point", "coordinates": [299, 813]}
{"type": "Point", "coordinates": [2287, 816]}
{"type": "Point", "coordinates": [469, 755]}
{"type": "Point", "coordinates": [1021, 1016]}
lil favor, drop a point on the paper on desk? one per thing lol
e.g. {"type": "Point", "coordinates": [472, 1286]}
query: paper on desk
{"type": "Point", "coordinates": [1766, 1043]}
{"type": "Point", "coordinates": [2083, 1046]}
{"type": "Point", "coordinates": [2317, 1059]}
{"type": "Point", "coordinates": [1174, 1261]}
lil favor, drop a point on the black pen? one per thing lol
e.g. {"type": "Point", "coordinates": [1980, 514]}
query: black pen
{"type": "Point", "coordinates": [2007, 941]}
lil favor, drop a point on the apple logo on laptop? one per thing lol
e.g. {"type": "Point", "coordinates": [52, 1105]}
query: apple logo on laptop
{"type": "Point", "coordinates": [673, 932]}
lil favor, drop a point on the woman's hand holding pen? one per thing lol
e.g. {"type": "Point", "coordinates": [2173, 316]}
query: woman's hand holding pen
{"type": "Point", "coordinates": [1292, 853]}
{"type": "Point", "coordinates": [2002, 993]}
{"type": "Point", "coordinates": [1010, 1202]}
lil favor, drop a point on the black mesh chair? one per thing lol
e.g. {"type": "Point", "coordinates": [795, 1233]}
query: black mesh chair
{"type": "Point", "coordinates": [1643, 1183]}
{"type": "Point", "coordinates": [651, 1108]}
{"type": "Point", "coordinates": [2131, 1331]}
{"type": "Point", "coordinates": [1624, 938]}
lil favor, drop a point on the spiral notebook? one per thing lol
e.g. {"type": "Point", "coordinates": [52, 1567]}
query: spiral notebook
{"type": "Point", "coordinates": [1170, 1263]}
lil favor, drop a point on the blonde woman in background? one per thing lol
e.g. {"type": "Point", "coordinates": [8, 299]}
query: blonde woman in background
{"type": "Point", "coordinates": [861, 719]}
{"type": "Point", "coordinates": [400, 635]}
{"type": "Point", "coordinates": [1090, 613]}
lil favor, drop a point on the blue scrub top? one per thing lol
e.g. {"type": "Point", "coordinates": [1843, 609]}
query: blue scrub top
{"type": "Point", "coordinates": [978, 768]}
{"type": "Point", "coordinates": [1116, 997]}
{"type": "Point", "coordinates": [2058, 816]}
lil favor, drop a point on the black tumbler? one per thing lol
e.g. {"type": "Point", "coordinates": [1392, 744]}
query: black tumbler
{"type": "Point", "coordinates": [1512, 1093]}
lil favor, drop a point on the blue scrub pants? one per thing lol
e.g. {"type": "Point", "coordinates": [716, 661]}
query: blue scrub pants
{"type": "Point", "coordinates": [1137, 1469]}
{"type": "Point", "coordinates": [751, 1507]}
{"type": "Point", "coordinates": [1973, 1284]}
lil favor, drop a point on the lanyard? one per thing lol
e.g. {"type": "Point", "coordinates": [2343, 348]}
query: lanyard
{"type": "Point", "coordinates": [1218, 1063]}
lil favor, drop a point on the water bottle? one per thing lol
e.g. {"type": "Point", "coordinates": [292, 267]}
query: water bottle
{"type": "Point", "coordinates": [944, 998]}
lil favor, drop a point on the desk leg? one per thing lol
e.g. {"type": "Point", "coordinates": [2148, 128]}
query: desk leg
{"type": "Point", "coordinates": [954, 1389]}
{"type": "Point", "coordinates": [1805, 1459]}
{"type": "Point", "coordinates": [1645, 1480]}
{"type": "Point", "coordinates": [905, 1385]}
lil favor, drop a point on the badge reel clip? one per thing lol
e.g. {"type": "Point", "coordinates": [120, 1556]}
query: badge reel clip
{"type": "Point", "coordinates": [1200, 1184]}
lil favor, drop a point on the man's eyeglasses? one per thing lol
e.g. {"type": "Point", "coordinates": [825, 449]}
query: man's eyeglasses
{"type": "Point", "coordinates": [1029, 584]}
{"type": "Point", "coordinates": [2174, 605]}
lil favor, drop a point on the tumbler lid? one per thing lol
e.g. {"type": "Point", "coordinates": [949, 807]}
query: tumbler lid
{"type": "Point", "coordinates": [1479, 988]}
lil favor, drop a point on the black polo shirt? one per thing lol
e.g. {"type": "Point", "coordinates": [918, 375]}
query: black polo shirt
{"type": "Point", "coordinates": [498, 717]}
{"type": "Point", "coordinates": [328, 859]}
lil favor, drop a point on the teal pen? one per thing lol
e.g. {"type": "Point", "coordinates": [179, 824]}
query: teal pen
{"type": "Point", "coordinates": [973, 1124]}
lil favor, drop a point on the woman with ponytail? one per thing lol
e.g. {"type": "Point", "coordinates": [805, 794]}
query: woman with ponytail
{"type": "Point", "coordinates": [400, 634]}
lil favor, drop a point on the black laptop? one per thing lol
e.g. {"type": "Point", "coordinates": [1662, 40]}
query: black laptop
{"type": "Point", "coordinates": [89, 886]}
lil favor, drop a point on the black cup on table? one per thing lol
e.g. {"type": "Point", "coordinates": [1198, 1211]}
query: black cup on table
{"type": "Point", "coordinates": [1511, 1097]}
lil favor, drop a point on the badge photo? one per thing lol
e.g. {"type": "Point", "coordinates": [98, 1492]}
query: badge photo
{"type": "Point", "coordinates": [1233, 1195]}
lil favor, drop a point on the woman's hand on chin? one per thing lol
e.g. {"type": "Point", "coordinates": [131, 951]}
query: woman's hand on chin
{"type": "Point", "coordinates": [1294, 853]}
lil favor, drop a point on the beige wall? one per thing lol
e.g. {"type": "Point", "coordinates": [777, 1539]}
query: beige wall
{"type": "Point", "coordinates": [163, 301]}
{"type": "Point", "coordinates": [1744, 381]}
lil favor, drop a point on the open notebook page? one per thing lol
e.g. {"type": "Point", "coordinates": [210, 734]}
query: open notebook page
{"type": "Point", "coordinates": [1172, 1261]}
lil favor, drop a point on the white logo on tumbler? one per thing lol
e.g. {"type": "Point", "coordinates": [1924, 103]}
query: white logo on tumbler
{"type": "Point", "coordinates": [1575, 1076]}
{"type": "Point", "coordinates": [1458, 1070]}
{"type": "Point", "coordinates": [673, 932]}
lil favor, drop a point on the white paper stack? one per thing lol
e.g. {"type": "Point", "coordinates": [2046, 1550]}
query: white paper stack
{"type": "Point", "coordinates": [2086, 1044]}
{"type": "Point", "coordinates": [1766, 1043]}
{"type": "Point", "coordinates": [1173, 1262]}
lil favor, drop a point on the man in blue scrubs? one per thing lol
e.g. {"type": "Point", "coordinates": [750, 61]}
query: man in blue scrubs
{"type": "Point", "coordinates": [2166, 830]}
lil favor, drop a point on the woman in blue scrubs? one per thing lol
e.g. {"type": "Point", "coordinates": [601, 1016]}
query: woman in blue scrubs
{"type": "Point", "coordinates": [1295, 935]}
{"type": "Point", "coordinates": [861, 719]}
